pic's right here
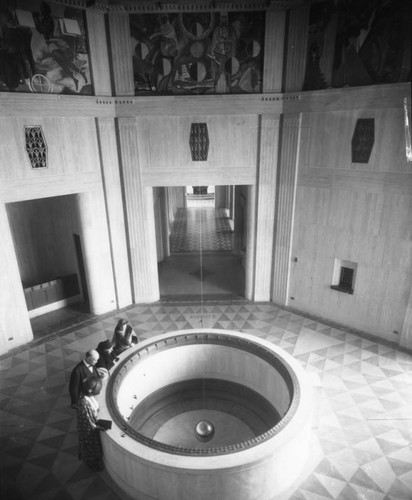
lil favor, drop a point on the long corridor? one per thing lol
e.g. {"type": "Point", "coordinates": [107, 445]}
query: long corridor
{"type": "Point", "coordinates": [201, 263]}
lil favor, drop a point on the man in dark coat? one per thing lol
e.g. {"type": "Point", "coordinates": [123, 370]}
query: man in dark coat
{"type": "Point", "coordinates": [83, 370]}
{"type": "Point", "coordinates": [106, 358]}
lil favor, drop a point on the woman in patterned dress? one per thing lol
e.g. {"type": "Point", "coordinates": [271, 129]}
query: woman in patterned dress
{"type": "Point", "coordinates": [90, 448]}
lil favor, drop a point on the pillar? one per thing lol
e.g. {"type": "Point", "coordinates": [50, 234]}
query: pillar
{"type": "Point", "coordinates": [296, 49]}
{"type": "Point", "coordinates": [140, 213]}
{"type": "Point", "coordinates": [96, 251]}
{"type": "Point", "coordinates": [328, 52]}
{"type": "Point", "coordinates": [232, 202]}
{"type": "Point", "coordinates": [286, 197]}
{"type": "Point", "coordinates": [221, 197]}
{"type": "Point", "coordinates": [99, 56]}
{"type": "Point", "coordinates": [121, 54]}
{"type": "Point", "coordinates": [251, 242]}
{"type": "Point", "coordinates": [265, 203]}
{"type": "Point", "coordinates": [109, 160]}
{"type": "Point", "coordinates": [164, 203]}
{"type": "Point", "coordinates": [406, 333]}
{"type": "Point", "coordinates": [237, 214]}
{"type": "Point", "coordinates": [274, 50]}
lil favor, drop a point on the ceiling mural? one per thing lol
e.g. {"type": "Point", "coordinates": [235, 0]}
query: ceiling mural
{"type": "Point", "coordinates": [370, 40]}
{"type": "Point", "coordinates": [43, 50]}
{"type": "Point", "coordinates": [198, 53]}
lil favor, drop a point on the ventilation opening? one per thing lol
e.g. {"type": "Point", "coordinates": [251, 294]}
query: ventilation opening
{"type": "Point", "coordinates": [344, 274]}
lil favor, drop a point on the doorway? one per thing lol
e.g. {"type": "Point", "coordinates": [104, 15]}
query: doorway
{"type": "Point", "coordinates": [202, 261]}
{"type": "Point", "coordinates": [42, 231]}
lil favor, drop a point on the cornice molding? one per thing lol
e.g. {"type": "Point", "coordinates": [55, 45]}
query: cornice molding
{"type": "Point", "coordinates": [155, 7]}
{"type": "Point", "coordinates": [18, 105]}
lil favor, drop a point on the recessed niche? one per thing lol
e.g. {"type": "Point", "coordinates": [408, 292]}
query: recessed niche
{"type": "Point", "coordinates": [344, 276]}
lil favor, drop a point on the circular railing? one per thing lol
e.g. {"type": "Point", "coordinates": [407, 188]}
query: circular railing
{"type": "Point", "coordinates": [203, 338]}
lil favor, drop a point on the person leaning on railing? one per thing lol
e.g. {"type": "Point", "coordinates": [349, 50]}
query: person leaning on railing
{"type": "Point", "coordinates": [124, 337]}
{"type": "Point", "coordinates": [106, 359]}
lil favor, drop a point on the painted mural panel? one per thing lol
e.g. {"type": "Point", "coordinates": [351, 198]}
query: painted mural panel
{"type": "Point", "coordinates": [43, 48]}
{"type": "Point", "coordinates": [358, 42]}
{"type": "Point", "coordinates": [198, 53]}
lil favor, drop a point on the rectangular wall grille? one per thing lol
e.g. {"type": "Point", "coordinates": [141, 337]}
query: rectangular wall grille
{"type": "Point", "coordinates": [199, 141]}
{"type": "Point", "coordinates": [362, 140]}
{"type": "Point", "coordinates": [36, 147]}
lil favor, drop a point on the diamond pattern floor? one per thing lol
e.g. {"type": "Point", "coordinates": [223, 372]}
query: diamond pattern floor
{"type": "Point", "coordinates": [363, 421]}
{"type": "Point", "coordinates": [203, 228]}
{"type": "Point", "coordinates": [205, 275]}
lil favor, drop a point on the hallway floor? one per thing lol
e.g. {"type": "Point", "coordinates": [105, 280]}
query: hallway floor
{"type": "Point", "coordinates": [203, 229]}
{"type": "Point", "coordinates": [201, 262]}
{"type": "Point", "coordinates": [191, 275]}
{"type": "Point", "coordinates": [362, 427]}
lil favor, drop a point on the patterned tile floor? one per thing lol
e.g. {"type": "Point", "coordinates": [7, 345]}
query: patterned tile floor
{"type": "Point", "coordinates": [363, 422]}
{"type": "Point", "coordinates": [212, 271]}
{"type": "Point", "coordinates": [201, 275]}
{"type": "Point", "coordinates": [203, 228]}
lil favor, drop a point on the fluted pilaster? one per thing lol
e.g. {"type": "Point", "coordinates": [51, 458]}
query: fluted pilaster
{"type": "Point", "coordinates": [328, 52]}
{"type": "Point", "coordinates": [238, 213]}
{"type": "Point", "coordinates": [140, 214]}
{"type": "Point", "coordinates": [115, 213]}
{"type": "Point", "coordinates": [274, 50]}
{"type": "Point", "coordinates": [266, 201]}
{"type": "Point", "coordinates": [251, 243]}
{"type": "Point", "coordinates": [406, 333]}
{"type": "Point", "coordinates": [97, 36]}
{"type": "Point", "coordinates": [286, 193]}
{"type": "Point", "coordinates": [296, 49]}
{"type": "Point", "coordinates": [96, 251]}
{"type": "Point", "coordinates": [121, 54]}
{"type": "Point", "coordinates": [164, 201]}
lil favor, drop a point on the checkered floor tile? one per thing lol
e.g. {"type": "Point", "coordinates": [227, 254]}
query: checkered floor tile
{"type": "Point", "coordinates": [204, 228]}
{"type": "Point", "coordinates": [363, 422]}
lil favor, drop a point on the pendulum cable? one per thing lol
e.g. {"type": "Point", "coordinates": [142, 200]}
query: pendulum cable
{"type": "Point", "coordinates": [201, 267]}
{"type": "Point", "coordinates": [201, 292]}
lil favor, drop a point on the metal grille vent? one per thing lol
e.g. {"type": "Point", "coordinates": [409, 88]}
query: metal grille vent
{"type": "Point", "coordinates": [363, 140]}
{"type": "Point", "coordinates": [36, 146]}
{"type": "Point", "coordinates": [199, 141]}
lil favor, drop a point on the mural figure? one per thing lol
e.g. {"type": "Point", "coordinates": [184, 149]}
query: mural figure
{"type": "Point", "coordinates": [372, 42]}
{"type": "Point", "coordinates": [16, 58]}
{"type": "Point", "coordinates": [197, 53]}
{"type": "Point", "coordinates": [41, 52]}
